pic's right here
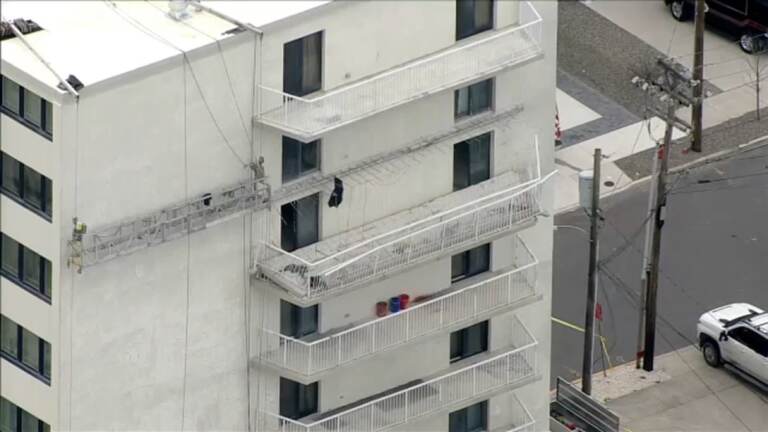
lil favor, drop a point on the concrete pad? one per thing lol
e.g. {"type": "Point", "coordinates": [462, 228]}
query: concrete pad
{"type": "Point", "coordinates": [748, 404]}
{"type": "Point", "coordinates": [659, 398]}
{"type": "Point", "coordinates": [572, 113]}
{"type": "Point", "coordinates": [696, 397]}
{"type": "Point", "coordinates": [703, 414]}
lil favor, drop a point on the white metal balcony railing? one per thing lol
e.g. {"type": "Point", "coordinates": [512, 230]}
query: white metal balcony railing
{"type": "Point", "coordinates": [309, 118]}
{"type": "Point", "coordinates": [439, 313]}
{"type": "Point", "coordinates": [522, 419]}
{"type": "Point", "coordinates": [505, 370]}
{"type": "Point", "coordinates": [437, 235]}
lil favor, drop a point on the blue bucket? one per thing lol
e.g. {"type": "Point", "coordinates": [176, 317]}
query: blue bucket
{"type": "Point", "coordinates": [394, 304]}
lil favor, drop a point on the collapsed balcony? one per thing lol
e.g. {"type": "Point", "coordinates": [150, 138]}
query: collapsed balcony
{"type": "Point", "coordinates": [308, 118]}
{"type": "Point", "coordinates": [457, 221]}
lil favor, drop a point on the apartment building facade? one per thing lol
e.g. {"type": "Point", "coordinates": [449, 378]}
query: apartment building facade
{"type": "Point", "coordinates": [277, 216]}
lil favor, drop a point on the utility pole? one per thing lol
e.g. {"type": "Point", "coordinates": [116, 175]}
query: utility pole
{"type": "Point", "coordinates": [658, 222]}
{"type": "Point", "coordinates": [698, 76]}
{"type": "Point", "coordinates": [589, 320]}
{"type": "Point", "coordinates": [645, 269]}
{"type": "Point", "coordinates": [673, 88]}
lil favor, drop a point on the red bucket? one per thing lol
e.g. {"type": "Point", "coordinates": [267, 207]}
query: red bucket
{"type": "Point", "coordinates": [405, 300]}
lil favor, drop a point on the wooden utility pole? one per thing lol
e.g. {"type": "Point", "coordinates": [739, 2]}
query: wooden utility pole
{"type": "Point", "coordinates": [673, 88]}
{"type": "Point", "coordinates": [698, 76]}
{"type": "Point", "coordinates": [589, 320]}
{"type": "Point", "coordinates": [646, 253]}
{"type": "Point", "coordinates": [658, 222]}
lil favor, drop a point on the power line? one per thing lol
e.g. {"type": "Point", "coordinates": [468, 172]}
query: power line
{"type": "Point", "coordinates": [683, 360]}
{"type": "Point", "coordinates": [224, 63]}
{"type": "Point", "coordinates": [189, 247]}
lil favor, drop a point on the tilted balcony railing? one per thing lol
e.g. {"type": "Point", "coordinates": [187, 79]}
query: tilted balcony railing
{"type": "Point", "coordinates": [452, 67]}
{"type": "Point", "coordinates": [499, 372]}
{"type": "Point", "coordinates": [481, 219]}
{"type": "Point", "coordinates": [522, 419]}
{"type": "Point", "coordinates": [444, 311]}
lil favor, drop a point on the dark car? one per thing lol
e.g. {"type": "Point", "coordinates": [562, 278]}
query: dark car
{"type": "Point", "coordinates": [747, 19]}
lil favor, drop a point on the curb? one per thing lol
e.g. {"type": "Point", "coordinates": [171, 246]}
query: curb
{"type": "Point", "coordinates": [754, 144]}
{"type": "Point", "coordinates": [751, 145]}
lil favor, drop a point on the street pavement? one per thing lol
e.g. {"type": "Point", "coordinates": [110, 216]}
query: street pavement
{"type": "Point", "coordinates": [714, 251]}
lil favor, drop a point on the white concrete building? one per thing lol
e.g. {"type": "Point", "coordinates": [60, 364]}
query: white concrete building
{"type": "Point", "coordinates": [333, 217]}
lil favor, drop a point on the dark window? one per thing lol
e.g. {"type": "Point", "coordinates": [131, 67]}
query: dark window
{"type": "Point", "coordinates": [302, 65]}
{"type": "Point", "coordinates": [299, 158]}
{"type": "Point", "coordinates": [470, 263]}
{"type": "Point", "coordinates": [751, 339]}
{"type": "Point", "coordinates": [11, 96]}
{"type": "Point", "coordinates": [25, 349]}
{"type": "Point", "coordinates": [25, 267]}
{"type": "Point", "coordinates": [472, 161]}
{"type": "Point", "coordinates": [28, 108]}
{"type": "Point", "coordinates": [300, 223]}
{"type": "Point", "coordinates": [297, 321]}
{"type": "Point", "coordinates": [15, 419]}
{"type": "Point", "coordinates": [473, 418]}
{"type": "Point", "coordinates": [26, 186]}
{"type": "Point", "coordinates": [297, 400]}
{"type": "Point", "coordinates": [33, 108]}
{"type": "Point", "coordinates": [469, 341]}
{"type": "Point", "coordinates": [472, 17]}
{"type": "Point", "coordinates": [473, 99]}
{"type": "Point", "coordinates": [11, 175]}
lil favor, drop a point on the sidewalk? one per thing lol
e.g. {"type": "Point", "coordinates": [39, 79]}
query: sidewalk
{"type": "Point", "coordinates": [599, 107]}
{"type": "Point", "coordinates": [615, 143]}
{"type": "Point", "coordinates": [683, 394]}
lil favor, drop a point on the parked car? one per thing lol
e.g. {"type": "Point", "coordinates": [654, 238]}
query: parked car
{"type": "Point", "coordinates": [736, 334]}
{"type": "Point", "coordinates": [747, 19]}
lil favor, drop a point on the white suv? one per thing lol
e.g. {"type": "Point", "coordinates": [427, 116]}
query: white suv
{"type": "Point", "coordinates": [736, 334]}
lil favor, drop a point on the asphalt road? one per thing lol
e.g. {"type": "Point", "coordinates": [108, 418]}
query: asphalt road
{"type": "Point", "coordinates": [714, 251]}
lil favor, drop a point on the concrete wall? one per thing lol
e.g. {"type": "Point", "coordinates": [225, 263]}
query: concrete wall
{"type": "Point", "coordinates": [40, 235]}
{"type": "Point", "coordinates": [160, 339]}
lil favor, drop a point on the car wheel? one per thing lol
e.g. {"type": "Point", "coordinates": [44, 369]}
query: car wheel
{"type": "Point", "coordinates": [711, 353]}
{"type": "Point", "coordinates": [752, 44]}
{"type": "Point", "coordinates": [747, 43]}
{"type": "Point", "coordinates": [681, 10]}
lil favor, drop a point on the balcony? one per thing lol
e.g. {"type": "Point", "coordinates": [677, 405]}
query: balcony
{"type": "Point", "coordinates": [462, 383]}
{"type": "Point", "coordinates": [448, 224]}
{"type": "Point", "coordinates": [522, 420]}
{"type": "Point", "coordinates": [498, 50]}
{"type": "Point", "coordinates": [453, 308]}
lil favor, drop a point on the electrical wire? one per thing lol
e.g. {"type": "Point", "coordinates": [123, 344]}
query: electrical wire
{"type": "Point", "coordinates": [223, 62]}
{"type": "Point", "coordinates": [189, 248]}
{"type": "Point", "coordinates": [629, 243]}
{"type": "Point", "coordinates": [621, 284]}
